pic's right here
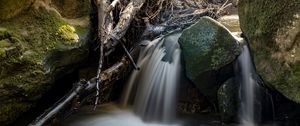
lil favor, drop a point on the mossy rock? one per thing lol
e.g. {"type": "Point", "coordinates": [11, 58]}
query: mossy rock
{"type": "Point", "coordinates": [11, 8]}
{"type": "Point", "coordinates": [68, 33]}
{"type": "Point", "coordinates": [72, 8]}
{"type": "Point", "coordinates": [207, 46]}
{"type": "Point", "coordinates": [272, 28]}
{"type": "Point", "coordinates": [36, 48]}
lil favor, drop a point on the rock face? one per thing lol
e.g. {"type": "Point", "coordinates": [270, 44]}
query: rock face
{"type": "Point", "coordinates": [273, 31]}
{"type": "Point", "coordinates": [10, 8]}
{"type": "Point", "coordinates": [227, 100]}
{"type": "Point", "coordinates": [37, 46]}
{"type": "Point", "coordinates": [207, 47]}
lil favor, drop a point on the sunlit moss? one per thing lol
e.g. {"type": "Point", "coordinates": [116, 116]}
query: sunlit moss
{"type": "Point", "coordinates": [68, 33]}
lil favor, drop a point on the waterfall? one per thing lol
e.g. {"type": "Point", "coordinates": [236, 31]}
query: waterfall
{"type": "Point", "coordinates": [152, 89]}
{"type": "Point", "coordinates": [248, 88]}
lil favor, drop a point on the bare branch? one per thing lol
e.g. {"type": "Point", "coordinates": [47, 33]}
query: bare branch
{"type": "Point", "coordinates": [127, 16]}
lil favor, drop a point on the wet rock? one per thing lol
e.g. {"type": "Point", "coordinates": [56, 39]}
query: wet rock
{"type": "Point", "coordinates": [208, 50]}
{"type": "Point", "coordinates": [227, 101]}
{"type": "Point", "coordinates": [273, 31]}
{"type": "Point", "coordinates": [37, 47]}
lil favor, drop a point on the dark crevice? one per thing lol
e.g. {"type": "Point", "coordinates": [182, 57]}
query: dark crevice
{"type": "Point", "coordinates": [57, 91]}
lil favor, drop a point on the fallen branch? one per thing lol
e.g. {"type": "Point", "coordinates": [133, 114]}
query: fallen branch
{"type": "Point", "coordinates": [129, 56]}
{"type": "Point", "coordinates": [80, 89]}
{"type": "Point", "coordinates": [112, 6]}
{"type": "Point", "coordinates": [105, 26]}
{"type": "Point", "coordinates": [101, 36]}
{"type": "Point", "coordinates": [127, 16]}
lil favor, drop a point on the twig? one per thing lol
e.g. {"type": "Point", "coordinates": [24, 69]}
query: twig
{"type": "Point", "coordinates": [127, 16]}
{"type": "Point", "coordinates": [112, 5]}
{"type": "Point", "coordinates": [225, 5]}
{"type": "Point", "coordinates": [82, 89]}
{"type": "Point", "coordinates": [101, 36]}
{"type": "Point", "coordinates": [129, 56]}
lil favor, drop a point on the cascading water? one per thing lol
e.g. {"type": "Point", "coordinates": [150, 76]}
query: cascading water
{"type": "Point", "coordinates": [248, 88]}
{"type": "Point", "coordinates": [157, 79]}
{"type": "Point", "coordinates": [151, 91]}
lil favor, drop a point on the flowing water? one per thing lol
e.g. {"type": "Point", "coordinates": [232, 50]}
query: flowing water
{"type": "Point", "coordinates": [150, 96]}
{"type": "Point", "coordinates": [248, 87]}
{"type": "Point", "coordinates": [156, 81]}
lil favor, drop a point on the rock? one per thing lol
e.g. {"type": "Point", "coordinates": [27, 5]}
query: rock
{"type": "Point", "coordinates": [72, 8]}
{"type": "Point", "coordinates": [273, 31]}
{"type": "Point", "coordinates": [231, 22]}
{"type": "Point", "coordinates": [190, 100]}
{"type": "Point", "coordinates": [37, 47]}
{"type": "Point", "coordinates": [11, 8]}
{"type": "Point", "coordinates": [208, 50]}
{"type": "Point", "coordinates": [227, 101]}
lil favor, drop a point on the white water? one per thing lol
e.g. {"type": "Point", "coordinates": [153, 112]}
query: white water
{"type": "Point", "coordinates": [247, 92]}
{"type": "Point", "coordinates": [109, 115]}
{"type": "Point", "coordinates": [151, 90]}
{"type": "Point", "coordinates": [156, 81]}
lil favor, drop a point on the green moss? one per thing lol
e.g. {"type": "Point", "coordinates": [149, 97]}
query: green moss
{"type": "Point", "coordinates": [292, 86]}
{"type": "Point", "coordinates": [261, 19]}
{"type": "Point", "coordinates": [4, 43]}
{"type": "Point", "coordinates": [4, 33]}
{"type": "Point", "coordinates": [25, 42]}
{"type": "Point", "coordinates": [68, 33]}
{"type": "Point", "coordinates": [2, 53]}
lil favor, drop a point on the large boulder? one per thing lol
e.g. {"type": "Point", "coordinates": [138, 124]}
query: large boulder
{"type": "Point", "coordinates": [37, 46]}
{"type": "Point", "coordinates": [273, 31]}
{"type": "Point", "coordinates": [208, 50]}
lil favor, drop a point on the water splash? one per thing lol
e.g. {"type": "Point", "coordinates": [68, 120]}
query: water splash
{"type": "Point", "coordinates": [156, 81]}
{"type": "Point", "coordinates": [108, 116]}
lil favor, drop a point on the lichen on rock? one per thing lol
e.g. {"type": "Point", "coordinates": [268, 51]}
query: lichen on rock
{"type": "Point", "coordinates": [207, 46]}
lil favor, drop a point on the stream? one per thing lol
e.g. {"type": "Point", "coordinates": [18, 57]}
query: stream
{"type": "Point", "coordinates": [150, 96]}
{"type": "Point", "coordinates": [151, 93]}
